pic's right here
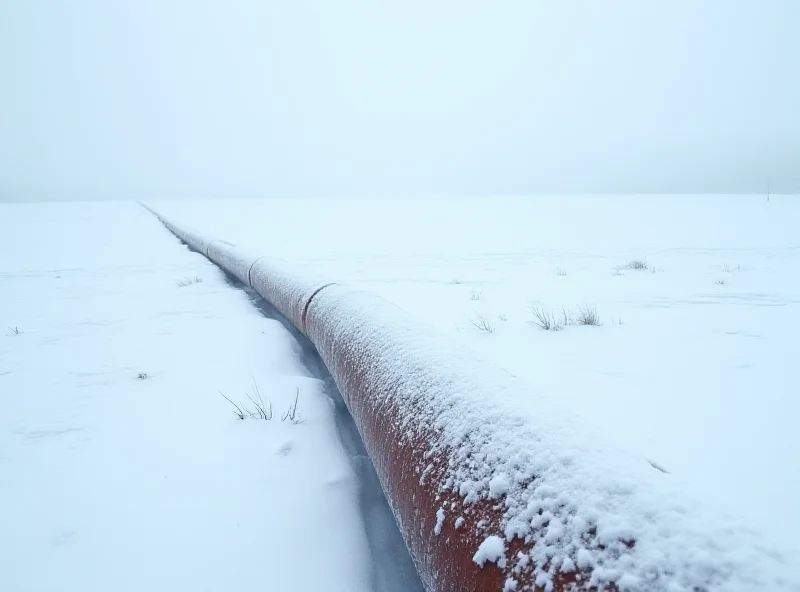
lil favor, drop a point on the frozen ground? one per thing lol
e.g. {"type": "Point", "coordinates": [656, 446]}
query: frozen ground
{"type": "Point", "coordinates": [691, 365]}
{"type": "Point", "coordinates": [121, 465]}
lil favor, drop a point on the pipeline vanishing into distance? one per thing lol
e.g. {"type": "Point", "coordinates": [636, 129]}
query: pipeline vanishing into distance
{"type": "Point", "coordinates": [488, 496]}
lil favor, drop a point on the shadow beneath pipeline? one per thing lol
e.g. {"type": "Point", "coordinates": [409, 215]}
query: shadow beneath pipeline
{"type": "Point", "coordinates": [392, 567]}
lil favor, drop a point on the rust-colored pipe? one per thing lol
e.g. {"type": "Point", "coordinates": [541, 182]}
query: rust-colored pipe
{"type": "Point", "coordinates": [443, 428]}
{"type": "Point", "coordinates": [363, 358]}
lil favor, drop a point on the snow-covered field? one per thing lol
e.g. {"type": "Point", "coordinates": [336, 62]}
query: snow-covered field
{"type": "Point", "coordinates": [121, 465]}
{"type": "Point", "coordinates": [109, 480]}
{"type": "Point", "coordinates": [690, 366]}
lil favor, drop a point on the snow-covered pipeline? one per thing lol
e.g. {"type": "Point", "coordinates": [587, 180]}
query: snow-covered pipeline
{"type": "Point", "coordinates": [487, 496]}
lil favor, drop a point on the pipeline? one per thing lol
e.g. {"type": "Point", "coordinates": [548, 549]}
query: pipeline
{"type": "Point", "coordinates": [489, 496]}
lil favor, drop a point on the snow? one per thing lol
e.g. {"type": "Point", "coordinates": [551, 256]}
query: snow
{"type": "Point", "coordinates": [694, 378]}
{"type": "Point", "coordinates": [499, 485]}
{"type": "Point", "coordinates": [437, 529]}
{"type": "Point", "coordinates": [566, 474]}
{"type": "Point", "coordinates": [585, 559]}
{"type": "Point", "coordinates": [111, 481]}
{"type": "Point", "coordinates": [492, 549]}
{"type": "Point", "coordinates": [588, 493]}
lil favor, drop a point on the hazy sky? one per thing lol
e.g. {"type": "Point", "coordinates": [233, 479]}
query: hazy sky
{"type": "Point", "coordinates": [160, 98]}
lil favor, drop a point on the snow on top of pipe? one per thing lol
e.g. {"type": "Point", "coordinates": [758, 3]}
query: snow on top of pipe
{"type": "Point", "coordinates": [579, 502]}
{"type": "Point", "coordinates": [287, 287]}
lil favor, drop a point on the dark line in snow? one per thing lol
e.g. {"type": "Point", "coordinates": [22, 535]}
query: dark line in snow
{"type": "Point", "coordinates": [308, 303]}
{"type": "Point", "coordinates": [250, 270]}
{"type": "Point", "coordinates": [208, 246]}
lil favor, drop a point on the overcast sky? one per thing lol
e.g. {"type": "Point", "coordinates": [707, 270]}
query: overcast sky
{"type": "Point", "coordinates": [182, 98]}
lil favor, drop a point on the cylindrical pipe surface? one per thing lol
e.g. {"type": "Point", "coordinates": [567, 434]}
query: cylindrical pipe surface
{"type": "Point", "coordinates": [494, 487]}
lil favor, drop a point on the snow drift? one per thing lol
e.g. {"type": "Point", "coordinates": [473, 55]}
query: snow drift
{"type": "Point", "coordinates": [488, 495]}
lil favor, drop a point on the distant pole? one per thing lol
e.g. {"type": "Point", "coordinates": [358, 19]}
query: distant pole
{"type": "Point", "coordinates": [768, 191]}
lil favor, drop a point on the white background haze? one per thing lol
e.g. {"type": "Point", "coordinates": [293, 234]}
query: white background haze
{"type": "Point", "coordinates": [146, 98]}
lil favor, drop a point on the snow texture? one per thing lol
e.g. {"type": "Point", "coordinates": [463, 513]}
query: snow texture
{"type": "Point", "coordinates": [439, 521]}
{"type": "Point", "coordinates": [576, 495]}
{"type": "Point", "coordinates": [499, 485]}
{"type": "Point", "coordinates": [585, 559]}
{"type": "Point", "coordinates": [571, 487]}
{"type": "Point", "coordinates": [492, 549]}
{"type": "Point", "coordinates": [692, 375]}
{"type": "Point", "coordinates": [114, 481]}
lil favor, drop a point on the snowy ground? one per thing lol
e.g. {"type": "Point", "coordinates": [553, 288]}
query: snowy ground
{"type": "Point", "coordinates": [121, 465]}
{"type": "Point", "coordinates": [109, 480]}
{"type": "Point", "coordinates": [691, 365]}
